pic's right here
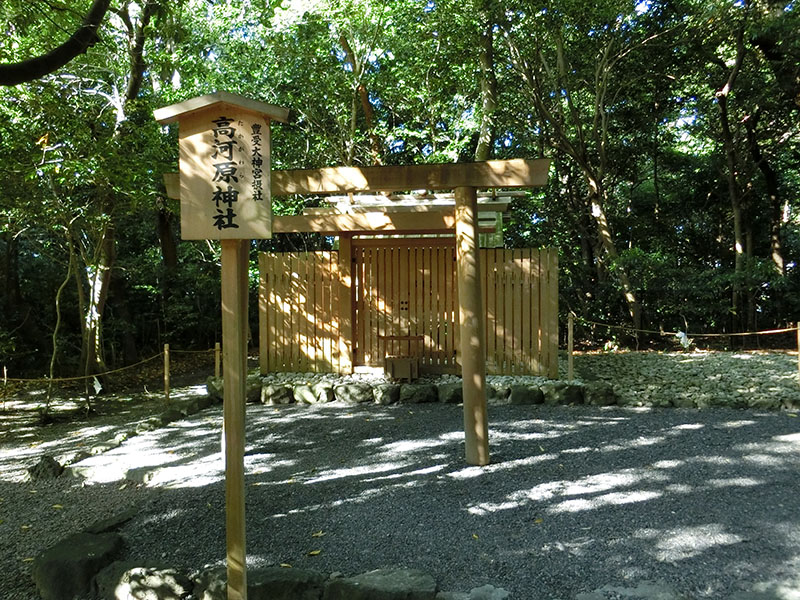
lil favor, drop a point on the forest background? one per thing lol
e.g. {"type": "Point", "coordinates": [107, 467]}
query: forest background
{"type": "Point", "coordinates": [674, 196]}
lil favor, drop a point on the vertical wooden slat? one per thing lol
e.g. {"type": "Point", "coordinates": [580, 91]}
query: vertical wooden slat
{"type": "Point", "coordinates": [536, 342]}
{"type": "Point", "coordinates": [489, 267]}
{"type": "Point", "coordinates": [516, 291]}
{"type": "Point", "coordinates": [263, 336]}
{"type": "Point", "coordinates": [426, 307]}
{"type": "Point", "coordinates": [374, 308]}
{"type": "Point", "coordinates": [553, 281]}
{"type": "Point", "coordinates": [544, 315]}
{"type": "Point", "coordinates": [525, 279]}
{"type": "Point", "coordinates": [508, 320]}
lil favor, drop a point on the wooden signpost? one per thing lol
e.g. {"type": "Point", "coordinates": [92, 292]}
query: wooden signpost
{"type": "Point", "coordinates": [225, 195]}
{"type": "Point", "coordinates": [225, 186]}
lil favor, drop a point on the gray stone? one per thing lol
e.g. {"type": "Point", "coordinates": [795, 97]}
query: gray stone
{"type": "Point", "coordinates": [386, 393]}
{"type": "Point", "coordinates": [150, 424]}
{"type": "Point", "coordinates": [450, 393]}
{"type": "Point", "coordinates": [645, 590]}
{"type": "Point", "coordinates": [560, 392]}
{"type": "Point", "coordinates": [498, 393]}
{"type": "Point", "coordinates": [253, 387]}
{"type": "Point", "coordinates": [683, 401]}
{"type": "Point", "coordinates": [277, 583]}
{"type": "Point", "coordinates": [303, 394]}
{"type": "Point", "coordinates": [113, 523]}
{"type": "Point", "coordinates": [383, 584]}
{"type": "Point", "coordinates": [272, 583]}
{"type": "Point", "coordinates": [599, 393]}
{"type": "Point", "coordinates": [47, 468]}
{"type": "Point", "coordinates": [763, 403]}
{"type": "Point", "coordinates": [273, 395]}
{"type": "Point", "coordinates": [353, 393]}
{"type": "Point", "coordinates": [323, 391]}
{"type": "Point", "coordinates": [214, 387]}
{"type": "Point", "coordinates": [143, 475]}
{"type": "Point", "coordinates": [488, 592]}
{"type": "Point", "coordinates": [417, 393]}
{"type": "Point", "coordinates": [526, 394]}
{"type": "Point", "coordinates": [169, 416]}
{"type": "Point", "coordinates": [131, 581]}
{"type": "Point", "coordinates": [195, 405]}
{"type": "Point", "coordinates": [66, 570]}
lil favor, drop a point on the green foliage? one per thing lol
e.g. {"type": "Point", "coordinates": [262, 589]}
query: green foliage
{"type": "Point", "coordinates": [621, 95]}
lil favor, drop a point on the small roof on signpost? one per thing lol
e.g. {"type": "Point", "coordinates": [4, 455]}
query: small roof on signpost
{"type": "Point", "coordinates": [175, 112]}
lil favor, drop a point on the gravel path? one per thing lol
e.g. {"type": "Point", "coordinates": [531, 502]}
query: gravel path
{"type": "Point", "coordinates": [579, 503]}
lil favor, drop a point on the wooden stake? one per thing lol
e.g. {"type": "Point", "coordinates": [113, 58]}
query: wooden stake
{"type": "Point", "coordinates": [166, 373]}
{"type": "Point", "coordinates": [570, 344]}
{"type": "Point", "coordinates": [234, 358]}
{"type": "Point", "coordinates": [471, 324]}
{"type": "Point", "coordinates": [217, 360]}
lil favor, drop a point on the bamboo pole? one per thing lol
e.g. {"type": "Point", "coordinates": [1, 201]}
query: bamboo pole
{"type": "Point", "coordinates": [234, 357]}
{"type": "Point", "coordinates": [471, 324]}
{"type": "Point", "coordinates": [217, 360]}
{"type": "Point", "coordinates": [166, 373]}
{"type": "Point", "coordinates": [570, 345]}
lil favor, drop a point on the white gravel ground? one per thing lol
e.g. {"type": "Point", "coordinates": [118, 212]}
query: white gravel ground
{"type": "Point", "coordinates": [579, 502]}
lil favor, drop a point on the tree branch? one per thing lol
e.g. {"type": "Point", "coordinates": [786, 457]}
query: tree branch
{"type": "Point", "coordinates": [78, 43]}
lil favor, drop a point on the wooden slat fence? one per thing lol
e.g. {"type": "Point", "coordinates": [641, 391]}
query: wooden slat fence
{"type": "Point", "coordinates": [407, 291]}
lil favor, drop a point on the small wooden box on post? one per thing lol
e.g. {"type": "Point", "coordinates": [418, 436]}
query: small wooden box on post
{"type": "Point", "coordinates": [225, 192]}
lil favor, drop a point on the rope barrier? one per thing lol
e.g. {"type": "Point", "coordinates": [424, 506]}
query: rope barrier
{"type": "Point", "coordinates": [85, 377]}
{"type": "Point", "coordinates": [676, 333]}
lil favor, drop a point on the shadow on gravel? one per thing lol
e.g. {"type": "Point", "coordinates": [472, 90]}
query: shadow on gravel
{"type": "Point", "coordinates": [575, 498]}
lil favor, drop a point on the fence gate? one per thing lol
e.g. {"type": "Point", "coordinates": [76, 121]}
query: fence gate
{"type": "Point", "coordinates": [405, 301]}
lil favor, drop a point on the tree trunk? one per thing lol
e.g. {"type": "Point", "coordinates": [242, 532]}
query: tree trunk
{"type": "Point", "coordinates": [733, 186]}
{"type": "Point", "coordinates": [483, 150]}
{"type": "Point", "coordinates": [610, 249]}
{"type": "Point", "coordinates": [166, 238]}
{"type": "Point", "coordinates": [13, 293]}
{"type": "Point", "coordinates": [99, 282]}
{"type": "Point", "coordinates": [773, 191]}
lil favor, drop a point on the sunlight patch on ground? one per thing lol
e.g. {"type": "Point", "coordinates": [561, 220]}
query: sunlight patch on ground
{"type": "Point", "coordinates": [614, 498]}
{"type": "Point", "coordinates": [673, 545]}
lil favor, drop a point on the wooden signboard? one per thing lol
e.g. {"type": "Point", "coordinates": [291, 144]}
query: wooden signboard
{"type": "Point", "coordinates": [224, 165]}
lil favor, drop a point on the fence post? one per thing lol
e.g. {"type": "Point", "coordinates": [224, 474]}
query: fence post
{"type": "Point", "coordinates": [798, 348]}
{"type": "Point", "coordinates": [570, 344]}
{"type": "Point", "coordinates": [217, 358]}
{"type": "Point", "coordinates": [166, 373]}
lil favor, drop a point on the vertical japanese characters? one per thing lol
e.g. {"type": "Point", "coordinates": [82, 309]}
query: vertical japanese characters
{"type": "Point", "coordinates": [225, 153]}
{"type": "Point", "coordinates": [257, 163]}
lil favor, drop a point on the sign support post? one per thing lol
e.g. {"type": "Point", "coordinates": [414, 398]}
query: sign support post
{"type": "Point", "coordinates": [225, 187]}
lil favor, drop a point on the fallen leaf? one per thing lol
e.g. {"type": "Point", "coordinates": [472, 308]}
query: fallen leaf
{"type": "Point", "coordinates": [32, 491]}
{"type": "Point", "coordinates": [292, 480]}
{"type": "Point", "coordinates": [286, 565]}
{"type": "Point", "coordinates": [318, 534]}
{"type": "Point", "coordinates": [315, 553]}
{"type": "Point", "coordinates": [26, 527]}
{"type": "Point", "coordinates": [474, 536]}
{"type": "Point", "coordinates": [27, 559]}
{"type": "Point", "coordinates": [537, 521]}
{"type": "Point", "coordinates": [791, 415]}
{"type": "Point", "coordinates": [58, 506]}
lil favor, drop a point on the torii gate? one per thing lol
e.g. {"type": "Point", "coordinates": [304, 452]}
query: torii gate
{"type": "Point", "coordinates": [225, 190]}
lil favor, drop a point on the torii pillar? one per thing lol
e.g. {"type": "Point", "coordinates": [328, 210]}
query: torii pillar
{"type": "Point", "coordinates": [225, 183]}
